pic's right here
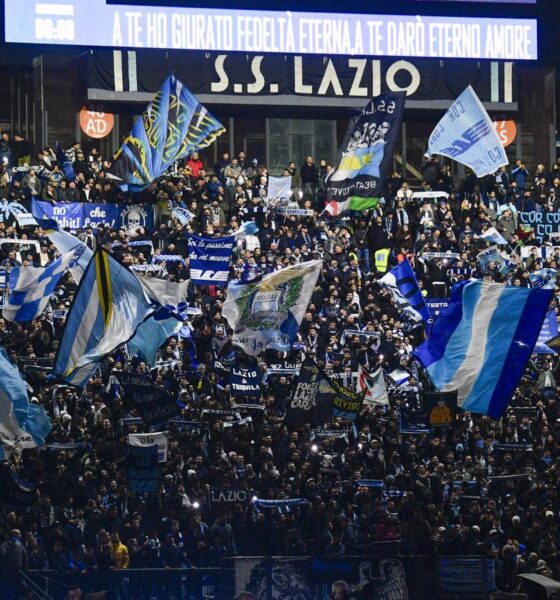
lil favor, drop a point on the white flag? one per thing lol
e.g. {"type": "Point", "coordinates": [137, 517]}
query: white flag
{"type": "Point", "coordinates": [279, 188]}
{"type": "Point", "coordinates": [467, 135]}
{"type": "Point", "coordinates": [159, 439]}
{"type": "Point", "coordinates": [373, 384]}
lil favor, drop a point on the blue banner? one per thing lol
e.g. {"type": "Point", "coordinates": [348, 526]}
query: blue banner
{"type": "Point", "coordinates": [143, 468]}
{"type": "Point", "coordinates": [244, 381]}
{"type": "Point", "coordinates": [209, 259]}
{"type": "Point", "coordinates": [77, 215]}
{"type": "Point", "coordinates": [436, 305]}
{"type": "Point", "coordinates": [467, 576]}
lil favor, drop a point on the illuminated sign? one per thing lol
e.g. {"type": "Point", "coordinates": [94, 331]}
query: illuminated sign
{"type": "Point", "coordinates": [95, 23]}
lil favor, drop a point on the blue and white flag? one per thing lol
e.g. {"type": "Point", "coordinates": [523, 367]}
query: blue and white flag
{"type": "Point", "coordinates": [467, 135]}
{"type": "Point", "coordinates": [22, 423]}
{"type": "Point", "coordinates": [481, 342]}
{"type": "Point", "coordinates": [65, 242]}
{"type": "Point", "coordinates": [373, 384]}
{"type": "Point", "coordinates": [488, 256]}
{"type": "Point", "coordinates": [182, 215]}
{"type": "Point", "coordinates": [65, 163]}
{"type": "Point", "coordinates": [543, 279]}
{"type": "Point", "coordinates": [549, 330]}
{"type": "Point", "coordinates": [401, 281]}
{"type": "Point", "coordinates": [108, 307]}
{"type": "Point", "coordinates": [267, 313]}
{"type": "Point", "coordinates": [492, 235]}
{"type": "Point", "coordinates": [209, 259]}
{"type": "Point", "coordinates": [31, 289]}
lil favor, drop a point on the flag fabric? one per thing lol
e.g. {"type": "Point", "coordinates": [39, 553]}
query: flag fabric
{"type": "Point", "coordinates": [488, 256]}
{"type": "Point", "coordinates": [143, 469]}
{"type": "Point", "coordinates": [367, 154]}
{"type": "Point", "coordinates": [31, 289]}
{"type": "Point", "coordinates": [373, 386]}
{"type": "Point", "coordinates": [493, 235]}
{"type": "Point", "coordinates": [65, 242]}
{"type": "Point", "coordinates": [173, 125]}
{"type": "Point", "coordinates": [544, 279]}
{"type": "Point", "coordinates": [345, 403]}
{"type": "Point", "coordinates": [481, 342]}
{"type": "Point", "coordinates": [302, 404]}
{"type": "Point", "coordinates": [441, 408]}
{"type": "Point", "coordinates": [244, 379]}
{"type": "Point", "coordinates": [65, 163]}
{"type": "Point", "coordinates": [467, 135]}
{"type": "Point", "coordinates": [429, 195]}
{"type": "Point", "coordinates": [279, 188]}
{"type": "Point", "coordinates": [335, 208]}
{"type": "Point", "coordinates": [402, 283]}
{"type": "Point", "coordinates": [549, 331]}
{"type": "Point", "coordinates": [108, 307]}
{"type": "Point", "coordinates": [23, 424]}
{"type": "Point", "coordinates": [182, 215]}
{"type": "Point", "coordinates": [267, 313]}
{"type": "Point", "coordinates": [209, 259]}
{"type": "Point", "coordinates": [150, 336]}
{"type": "Point", "coordinates": [413, 421]}
{"type": "Point", "coordinates": [171, 294]}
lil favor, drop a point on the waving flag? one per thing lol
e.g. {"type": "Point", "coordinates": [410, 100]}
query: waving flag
{"type": "Point", "coordinates": [65, 242]}
{"type": "Point", "coordinates": [492, 235]}
{"type": "Point", "coordinates": [174, 125]}
{"type": "Point", "coordinates": [150, 336]}
{"type": "Point", "coordinates": [480, 344]}
{"type": "Point", "coordinates": [401, 281]}
{"type": "Point", "coordinates": [65, 163]}
{"type": "Point", "coordinates": [31, 289]}
{"type": "Point", "coordinates": [108, 307]}
{"type": "Point", "coordinates": [366, 155]}
{"type": "Point", "coordinates": [466, 134]}
{"type": "Point", "coordinates": [373, 385]}
{"type": "Point", "coordinates": [22, 423]}
{"type": "Point", "coordinates": [544, 279]}
{"type": "Point", "coordinates": [267, 313]}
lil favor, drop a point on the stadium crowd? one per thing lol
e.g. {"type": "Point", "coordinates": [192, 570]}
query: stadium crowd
{"type": "Point", "coordinates": [437, 491]}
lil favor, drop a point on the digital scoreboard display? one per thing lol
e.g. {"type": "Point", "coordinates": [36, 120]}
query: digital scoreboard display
{"type": "Point", "coordinates": [97, 23]}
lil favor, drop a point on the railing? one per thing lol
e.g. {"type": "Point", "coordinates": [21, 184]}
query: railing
{"type": "Point", "coordinates": [385, 573]}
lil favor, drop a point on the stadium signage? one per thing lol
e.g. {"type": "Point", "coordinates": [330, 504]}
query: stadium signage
{"type": "Point", "coordinates": [98, 23]}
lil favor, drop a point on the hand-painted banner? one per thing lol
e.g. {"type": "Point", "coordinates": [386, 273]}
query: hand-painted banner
{"type": "Point", "coordinates": [78, 215]}
{"type": "Point", "coordinates": [143, 469]}
{"type": "Point", "coordinates": [209, 259]}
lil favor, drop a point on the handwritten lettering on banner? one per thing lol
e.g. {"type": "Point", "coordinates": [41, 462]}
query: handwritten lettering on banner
{"type": "Point", "coordinates": [544, 224]}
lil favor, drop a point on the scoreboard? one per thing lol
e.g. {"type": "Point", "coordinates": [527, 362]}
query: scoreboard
{"type": "Point", "coordinates": [100, 23]}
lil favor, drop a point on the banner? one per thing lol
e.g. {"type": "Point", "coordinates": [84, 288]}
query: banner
{"type": "Point", "coordinates": [279, 188]}
{"type": "Point", "coordinates": [209, 259]}
{"type": "Point", "coordinates": [9, 211]}
{"type": "Point", "coordinates": [488, 256]}
{"type": "Point", "coordinates": [473, 576]}
{"type": "Point", "coordinates": [435, 306]}
{"type": "Point", "coordinates": [549, 330]}
{"type": "Point", "coordinates": [78, 215]}
{"type": "Point", "coordinates": [544, 224]}
{"type": "Point", "coordinates": [154, 404]}
{"type": "Point", "coordinates": [413, 421]}
{"type": "Point", "coordinates": [295, 212]}
{"type": "Point", "coordinates": [143, 469]}
{"type": "Point", "coordinates": [467, 135]}
{"type": "Point", "coordinates": [225, 496]}
{"type": "Point", "coordinates": [267, 313]}
{"type": "Point", "coordinates": [304, 397]}
{"type": "Point", "coordinates": [173, 126]}
{"type": "Point", "coordinates": [244, 381]}
{"type": "Point", "coordinates": [15, 491]}
{"type": "Point", "coordinates": [367, 153]}
{"type": "Point", "coordinates": [158, 439]}
{"type": "Point", "coordinates": [441, 408]}
{"type": "Point", "coordinates": [345, 403]}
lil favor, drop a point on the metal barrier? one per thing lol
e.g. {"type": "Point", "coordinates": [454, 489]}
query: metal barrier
{"type": "Point", "coordinates": [385, 574]}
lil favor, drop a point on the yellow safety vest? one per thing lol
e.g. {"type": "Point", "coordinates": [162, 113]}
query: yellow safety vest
{"type": "Point", "coordinates": [382, 260]}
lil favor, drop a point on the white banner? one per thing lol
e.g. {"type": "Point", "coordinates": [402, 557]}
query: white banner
{"type": "Point", "coordinates": [159, 439]}
{"type": "Point", "coordinates": [467, 135]}
{"type": "Point", "coordinates": [279, 188]}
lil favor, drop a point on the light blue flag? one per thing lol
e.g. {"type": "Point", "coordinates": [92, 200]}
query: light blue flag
{"type": "Point", "coordinates": [108, 307]}
{"type": "Point", "coordinates": [22, 423]}
{"type": "Point", "coordinates": [545, 279]}
{"type": "Point", "coordinates": [480, 344]}
{"type": "Point", "coordinates": [31, 289]}
{"type": "Point", "coordinates": [150, 336]}
{"type": "Point", "coordinates": [494, 236]}
{"type": "Point", "coordinates": [548, 331]}
{"type": "Point", "coordinates": [466, 134]}
{"type": "Point", "coordinates": [402, 283]}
